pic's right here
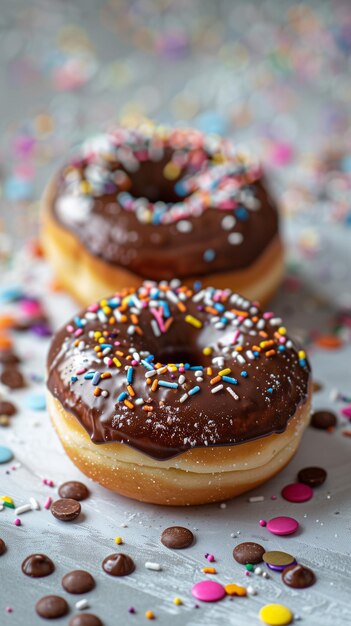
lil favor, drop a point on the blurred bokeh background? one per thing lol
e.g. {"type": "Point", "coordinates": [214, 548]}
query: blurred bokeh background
{"type": "Point", "coordinates": [275, 75]}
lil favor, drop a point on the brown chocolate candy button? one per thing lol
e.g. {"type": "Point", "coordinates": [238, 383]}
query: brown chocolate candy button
{"type": "Point", "coordinates": [177, 537]}
{"type": "Point", "coordinates": [37, 566]}
{"type": "Point", "coordinates": [85, 619]}
{"type": "Point", "coordinates": [323, 420]}
{"type": "Point", "coordinates": [65, 509]}
{"type": "Point", "coordinates": [7, 408]}
{"type": "Point", "coordinates": [78, 581]}
{"type": "Point", "coordinates": [7, 357]}
{"type": "Point", "coordinates": [248, 552]}
{"type": "Point", "coordinates": [52, 607]}
{"type": "Point", "coordinates": [118, 564]}
{"type": "Point", "coordinates": [312, 476]}
{"type": "Point", "coordinates": [73, 489]}
{"type": "Point", "coordinates": [2, 546]}
{"type": "Point", "coordinates": [12, 378]}
{"type": "Point", "coordinates": [298, 576]}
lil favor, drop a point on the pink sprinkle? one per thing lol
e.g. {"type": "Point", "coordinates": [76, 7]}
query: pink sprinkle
{"type": "Point", "coordinates": [347, 411]}
{"type": "Point", "coordinates": [48, 482]}
{"type": "Point", "coordinates": [78, 332]}
{"type": "Point", "coordinates": [8, 609]}
{"type": "Point", "coordinates": [247, 573]}
{"type": "Point", "coordinates": [267, 315]}
{"type": "Point", "coordinates": [82, 370]}
{"type": "Point", "coordinates": [70, 328]}
{"type": "Point", "coordinates": [273, 497]}
{"type": "Point", "coordinates": [48, 503]}
{"type": "Point", "coordinates": [93, 308]}
{"type": "Point", "coordinates": [116, 343]}
{"type": "Point", "coordinates": [109, 362]}
{"type": "Point", "coordinates": [263, 522]}
{"type": "Point", "coordinates": [17, 521]}
{"type": "Point", "coordinates": [210, 557]}
{"type": "Point", "coordinates": [134, 362]}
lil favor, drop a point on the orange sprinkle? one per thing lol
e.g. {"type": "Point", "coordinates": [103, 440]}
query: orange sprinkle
{"type": "Point", "coordinates": [271, 352]}
{"type": "Point", "coordinates": [154, 384]}
{"type": "Point", "coordinates": [148, 381]}
{"type": "Point", "coordinates": [112, 320]}
{"type": "Point", "coordinates": [147, 408]}
{"type": "Point", "coordinates": [235, 590]}
{"type": "Point", "coordinates": [97, 348]}
{"type": "Point", "coordinates": [168, 323]}
{"type": "Point", "coordinates": [106, 375]}
{"type": "Point", "coordinates": [210, 309]}
{"type": "Point", "coordinates": [328, 342]}
{"type": "Point", "coordinates": [215, 380]}
{"type": "Point", "coordinates": [5, 342]}
{"type": "Point", "coordinates": [181, 306]}
{"type": "Point", "coordinates": [97, 391]}
{"type": "Point", "coordinates": [240, 313]}
{"type": "Point", "coordinates": [134, 319]}
{"type": "Point", "coordinates": [7, 321]}
{"type": "Point", "coordinates": [138, 330]}
{"type": "Point", "coordinates": [124, 318]}
{"type": "Point", "coordinates": [119, 353]}
{"type": "Point", "coordinates": [209, 570]}
{"type": "Point", "coordinates": [130, 390]}
{"type": "Point", "coordinates": [129, 404]}
{"type": "Point", "coordinates": [256, 349]}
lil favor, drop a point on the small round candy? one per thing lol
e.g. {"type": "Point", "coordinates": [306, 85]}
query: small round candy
{"type": "Point", "coordinates": [6, 454]}
{"type": "Point", "coordinates": [276, 615]}
{"type": "Point", "coordinates": [323, 420]}
{"type": "Point", "coordinates": [208, 591]}
{"type": "Point", "coordinates": [282, 525]}
{"type": "Point", "coordinates": [298, 576]}
{"type": "Point", "coordinates": [297, 492]}
{"type": "Point", "coordinates": [312, 476]}
{"type": "Point", "coordinates": [248, 552]}
{"type": "Point", "coordinates": [277, 558]}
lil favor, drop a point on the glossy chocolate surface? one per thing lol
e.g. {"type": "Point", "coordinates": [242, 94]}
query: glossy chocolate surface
{"type": "Point", "coordinates": [213, 230]}
{"type": "Point", "coordinates": [270, 376]}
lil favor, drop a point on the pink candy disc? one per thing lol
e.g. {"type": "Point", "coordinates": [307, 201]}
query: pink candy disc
{"type": "Point", "coordinates": [297, 492]}
{"type": "Point", "coordinates": [282, 525]}
{"type": "Point", "coordinates": [208, 591]}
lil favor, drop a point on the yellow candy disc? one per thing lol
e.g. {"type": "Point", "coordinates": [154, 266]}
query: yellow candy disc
{"type": "Point", "coordinates": [276, 615]}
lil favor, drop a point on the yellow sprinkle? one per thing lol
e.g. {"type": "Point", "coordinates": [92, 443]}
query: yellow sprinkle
{"type": "Point", "coordinates": [85, 186]}
{"type": "Point", "coordinates": [225, 372]}
{"type": "Point", "coordinates": [118, 540]}
{"type": "Point", "coordinates": [97, 334]}
{"type": "Point", "coordinates": [282, 330]}
{"type": "Point", "coordinates": [107, 310]}
{"type": "Point", "coordinates": [129, 404]}
{"type": "Point", "coordinates": [302, 354]}
{"type": "Point", "coordinates": [117, 362]}
{"type": "Point", "coordinates": [130, 390]}
{"type": "Point", "coordinates": [150, 615]}
{"type": "Point", "coordinates": [209, 570]}
{"type": "Point", "coordinates": [193, 321]}
{"type": "Point", "coordinates": [6, 499]}
{"type": "Point", "coordinates": [101, 340]}
{"type": "Point", "coordinates": [207, 351]}
{"type": "Point", "coordinates": [177, 601]}
{"type": "Point", "coordinates": [171, 171]}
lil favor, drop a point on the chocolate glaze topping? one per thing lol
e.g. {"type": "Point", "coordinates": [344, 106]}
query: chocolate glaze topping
{"type": "Point", "coordinates": [165, 369]}
{"type": "Point", "coordinates": [166, 203]}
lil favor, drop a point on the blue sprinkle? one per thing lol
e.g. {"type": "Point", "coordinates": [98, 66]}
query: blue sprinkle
{"type": "Point", "coordinates": [229, 379]}
{"type": "Point", "coordinates": [122, 396]}
{"type": "Point", "coordinates": [244, 374]}
{"type": "Point", "coordinates": [256, 354]}
{"type": "Point", "coordinates": [17, 188]}
{"type": "Point", "coordinates": [193, 391]}
{"type": "Point", "coordinates": [130, 373]}
{"type": "Point", "coordinates": [209, 255]}
{"type": "Point", "coordinates": [241, 214]}
{"type": "Point", "coordinates": [165, 383]}
{"type": "Point", "coordinates": [78, 322]}
{"type": "Point", "coordinates": [196, 367]}
{"type": "Point", "coordinates": [180, 188]}
{"type": "Point", "coordinates": [96, 378]}
{"type": "Point", "coordinates": [74, 379]}
{"type": "Point", "coordinates": [281, 348]}
{"type": "Point", "coordinates": [146, 364]}
{"type": "Point", "coordinates": [302, 362]}
{"type": "Point", "coordinates": [36, 402]}
{"type": "Point", "coordinates": [197, 285]}
{"type": "Point", "coordinates": [224, 320]}
{"type": "Point", "coordinates": [89, 375]}
{"type": "Point", "coordinates": [6, 454]}
{"type": "Point", "coordinates": [270, 390]}
{"type": "Point", "coordinates": [219, 307]}
{"type": "Point", "coordinates": [11, 294]}
{"type": "Point", "coordinates": [106, 345]}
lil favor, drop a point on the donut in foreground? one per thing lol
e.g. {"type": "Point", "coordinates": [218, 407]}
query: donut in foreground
{"type": "Point", "coordinates": [155, 203]}
{"type": "Point", "coordinates": [178, 396]}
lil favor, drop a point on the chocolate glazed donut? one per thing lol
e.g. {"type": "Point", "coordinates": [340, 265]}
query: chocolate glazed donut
{"type": "Point", "coordinates": [196, 382]}
{"type": "Point", "coordinates": [150, 203]}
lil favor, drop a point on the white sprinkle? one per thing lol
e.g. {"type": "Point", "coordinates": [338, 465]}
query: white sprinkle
{"type": "Point", "coordinates": [250, 590]}
{"type": "Point", "coordinates": [232, 393]}
{"type": "Point", "coordinates": [275, 321]}
{"type": "Point", "coordinates": [222, 505]}
{"type": "Point", "coordinates": [199, 296]}
{"type": "Point", "coordinates": [139, 401]}
{"type": "Point", "coordinates": [265, 575]}
{"type": "Point", "coordinates": [23, 509]}
{"type": "Point", "coordinates": [240, 358]}
{"type": "Point", "coordinates": [184, 226]}
{"type": "Point", "coordinates": [256, 499]}
{"type": "Point", "coordinates": [198, 373]}
{"type": "Point", "coordinates": [34, 504]}
{"type": "Point", "coordinates": [156, 567]}
{"type": "Point", "coordinates": [181, 379]}
{"type": "Point", "coordinates": [101, 315]}
{"type": "Point", "coordinates": [155, 328]}
{"type": "Point", "coordinates": [136, 356]}
{"type": "Point", "coordinates": [258, 571]}
{"type": "Point", "coordinates": [104, 393]}
{"type": "Point", "coordinates": [82, 604]}
{"type": "Point", "coordinates": [171, 296]}
{"type": "Point", "coordinates": [228, 222]}
{"type": "Point", "coordinates": [183, 397]}
{"type": "Point", "coordinates": [90, 315]}
{"type": "Point", "coordinates": [250, 355]}
{"type": "Point", "coordinates": [248, 323]}
{"type": "Point", "coordinates": [131, 330]}
{"type": "Point", "coordinates": [106, 351]}
{"type": "Point", "coordinates": [235, 238]}
{"type": "Point", "coordinates": [217, 388]}
{"type": "Point", "coordinates": [150, 373]}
